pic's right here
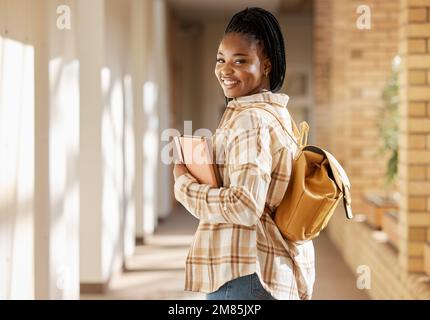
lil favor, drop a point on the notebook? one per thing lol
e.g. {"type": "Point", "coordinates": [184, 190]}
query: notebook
{"type": "Point", "coordinates": [197, 155]}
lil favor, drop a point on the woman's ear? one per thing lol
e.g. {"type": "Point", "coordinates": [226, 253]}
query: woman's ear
{"type": "Point", "coordinates": [267, 66]}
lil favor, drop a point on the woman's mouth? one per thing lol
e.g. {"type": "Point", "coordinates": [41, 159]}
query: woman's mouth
{"type": "Point", "coordinates": [229, 83]}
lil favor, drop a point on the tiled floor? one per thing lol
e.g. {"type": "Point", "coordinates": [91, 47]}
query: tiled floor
{"type": "Point", "coordinates": [157, 269]}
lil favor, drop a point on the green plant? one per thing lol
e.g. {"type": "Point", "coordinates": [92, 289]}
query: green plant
{"type": "Point", "coordinates": [388, 124]}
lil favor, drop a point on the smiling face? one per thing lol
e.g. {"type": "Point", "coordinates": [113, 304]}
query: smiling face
{"type": "Point", "coordinates": [241, 66]}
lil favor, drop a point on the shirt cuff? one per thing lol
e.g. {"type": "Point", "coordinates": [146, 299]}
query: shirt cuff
{"type": "Point", "coordinates": [187, 177]}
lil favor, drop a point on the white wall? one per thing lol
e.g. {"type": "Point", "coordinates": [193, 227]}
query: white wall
{"type": "Point", "coordinates": [40, 117]}
{"type": "Point", "coordinates": [188, 63]}
{"type": "Point", "coordinates": [161, 76]}
{"type": "Point", "coordinates": [125, 104]}
{"type": "Point", "coordinates": [139, 19]}
{"type": "Point", "coordinates": [16, 153]}
{"type": "Point", "coordinates": [79, 141]}
{"type": "Point", "coordinates": [115, 214]}
{"type": "Point", "coordinates": [107, 203]}
{"type": "Point", "coordinates": [91, 56]}
{"type": "Point", "coordinates": [63, 117]}
{"type": "Point", "coordinates": [152, 89]}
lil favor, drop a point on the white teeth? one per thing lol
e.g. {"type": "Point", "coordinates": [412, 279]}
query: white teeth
{"type": "Point", "coordinates": [229, 82]}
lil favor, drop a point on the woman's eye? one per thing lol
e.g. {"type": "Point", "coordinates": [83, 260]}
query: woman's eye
{"type": "Point", "coordinates": [236, 62]}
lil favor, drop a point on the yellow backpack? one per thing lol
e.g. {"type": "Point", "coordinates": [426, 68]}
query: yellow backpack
{"type": "Point", "coordinates": [317, 184]}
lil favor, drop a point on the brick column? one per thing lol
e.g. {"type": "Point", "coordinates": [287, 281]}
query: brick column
{"type": "Point", "coordinates": [414, 150]}
{"type": "Point", "coordinates": [338, 86]}
{"type": "Point", "coordinates": [322, 71]}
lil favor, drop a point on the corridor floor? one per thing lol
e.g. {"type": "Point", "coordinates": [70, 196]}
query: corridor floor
{"type": "Point", "coordinates": [156, 271]}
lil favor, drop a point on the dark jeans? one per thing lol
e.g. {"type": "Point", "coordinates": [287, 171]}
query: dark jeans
{"type": "Point", "coordinates": [243, 288]}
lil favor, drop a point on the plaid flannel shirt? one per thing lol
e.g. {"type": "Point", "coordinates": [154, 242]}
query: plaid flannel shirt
{"type": "Point", "coordinates": [236, 235]}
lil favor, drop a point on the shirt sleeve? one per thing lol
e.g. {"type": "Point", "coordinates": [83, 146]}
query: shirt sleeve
{"type": "Point", "coordinates": [249, 162]}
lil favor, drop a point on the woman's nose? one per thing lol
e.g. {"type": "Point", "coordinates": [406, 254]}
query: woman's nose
{"type": "Point", "coordinates": [225, 74]}
{"type": "Point", "coordinates": [226, 71]}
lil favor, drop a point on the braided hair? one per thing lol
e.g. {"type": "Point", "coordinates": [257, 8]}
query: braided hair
{"type": "Point", "coordinates": [261, 26]}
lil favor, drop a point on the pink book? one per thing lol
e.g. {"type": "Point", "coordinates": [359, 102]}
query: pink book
{"type": "Point", "coordinates": [197, 155]}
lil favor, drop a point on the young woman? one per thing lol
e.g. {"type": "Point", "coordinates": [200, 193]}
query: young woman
{"type": "Point", "coordinates": [238, 252]}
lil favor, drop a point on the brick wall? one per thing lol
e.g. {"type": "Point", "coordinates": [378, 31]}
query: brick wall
{"type": "Point", "coordinates": [322, 73]}
{"type": "Point", "coordinates": [352, 67]}
{"type": "Point", "coordinates": [370, 55]}
{"type": "Point", "coordinates": [414, 150]}
{"type": "Point", "coordinates": [338, 85]}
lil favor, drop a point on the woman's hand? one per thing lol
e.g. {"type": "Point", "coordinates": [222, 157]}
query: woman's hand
{"type": "Point", "coordinates": [179, 170]}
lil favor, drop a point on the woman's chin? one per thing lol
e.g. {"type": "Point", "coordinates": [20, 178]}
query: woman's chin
{"type": "Point", "coordinates": [231, 93]}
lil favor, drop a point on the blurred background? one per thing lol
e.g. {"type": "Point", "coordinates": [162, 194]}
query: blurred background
{"type": "Point", "coordinates": [91, 91]}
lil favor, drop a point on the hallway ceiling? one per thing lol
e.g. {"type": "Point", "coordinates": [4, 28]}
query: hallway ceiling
{"type": "Point", "coordinates": [203, 9]}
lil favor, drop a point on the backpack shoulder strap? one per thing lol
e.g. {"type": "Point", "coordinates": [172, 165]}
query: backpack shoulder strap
{"type": "Point", "coordinates": [301, 136]}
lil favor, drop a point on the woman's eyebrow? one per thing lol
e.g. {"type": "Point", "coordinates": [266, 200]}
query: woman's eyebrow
{"type": "Point", "coordinates": [236, 54]}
